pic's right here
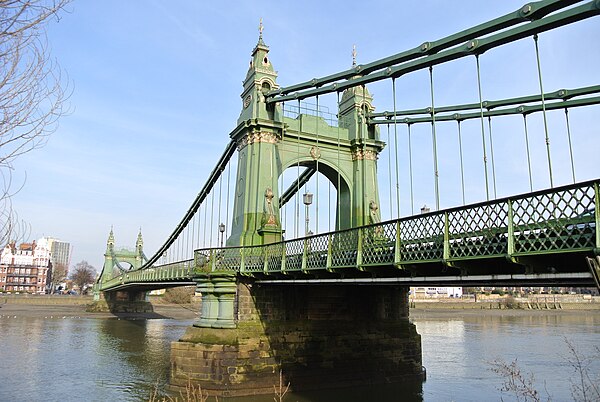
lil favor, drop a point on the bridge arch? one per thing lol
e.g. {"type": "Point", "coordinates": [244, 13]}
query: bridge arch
{"type": "Point", "coordinates": [333, 173]}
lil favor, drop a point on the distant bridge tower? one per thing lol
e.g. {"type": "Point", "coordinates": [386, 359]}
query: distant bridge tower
{"type": "Point", "coordinates": [117, 261]}
{"type": "Point", "coordinates": [269, 143]}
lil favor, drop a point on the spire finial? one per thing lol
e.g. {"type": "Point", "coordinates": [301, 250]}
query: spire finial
{"type": "Point", "coordinates": [260, 29]}
{"type": "Point", "coordinates": [353, 55]}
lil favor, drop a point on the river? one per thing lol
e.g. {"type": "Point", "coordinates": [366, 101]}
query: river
{"type": "Point", "coordinates": [83, 359]}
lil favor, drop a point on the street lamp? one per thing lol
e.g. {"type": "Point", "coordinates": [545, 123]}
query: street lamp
{"type": "Point", "coordinates": [222, 231]}
{"type": "Point", "coordinates": [307, 199]}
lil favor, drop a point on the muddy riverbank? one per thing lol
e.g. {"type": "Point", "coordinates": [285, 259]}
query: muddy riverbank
{"type": "Point", "coordinates": [75, 306]}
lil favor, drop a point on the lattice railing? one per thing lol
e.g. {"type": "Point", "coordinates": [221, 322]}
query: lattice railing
{"type": "Point", "coordinates": [545, 222]}
{"type": "Point", "coordinates": [175, 272]}
{"type": "Point", "coordinates": [550, 221]}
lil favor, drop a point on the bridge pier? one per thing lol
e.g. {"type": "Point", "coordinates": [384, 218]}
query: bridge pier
{"type": "Point", "coordinates": [121, 301]}
{"type": "Point", "coordinates": [319, 336]}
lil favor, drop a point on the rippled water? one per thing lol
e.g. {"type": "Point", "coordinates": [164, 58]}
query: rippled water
{"type": "Point", "coordinates": [76, 359]}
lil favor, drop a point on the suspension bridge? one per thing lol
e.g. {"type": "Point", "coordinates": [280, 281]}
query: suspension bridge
{"type": "Point", "coordinates": [249, 230]}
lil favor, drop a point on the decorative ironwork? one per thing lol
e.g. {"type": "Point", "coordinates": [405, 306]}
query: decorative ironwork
{"type": "Point", "coordinates": [379, 244]}
{"type": "Point", "coordinates": [478, 231]}
{"type": "Point", "coordinates": [361, 154]}
{"type": "Point", "coordinates": [252, 138]}
{"type": "Point", "coordinates": [545, 222]}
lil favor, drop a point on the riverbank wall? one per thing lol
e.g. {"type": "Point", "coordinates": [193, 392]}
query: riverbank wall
{"type": "Point", "coordinates": [483, 302]}
{"type": "Point", "coordinates": [533, 302]}
{"type": "Point", "coordinates": [54, 300]}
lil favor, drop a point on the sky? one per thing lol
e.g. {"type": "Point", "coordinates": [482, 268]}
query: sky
{"type": "Point", "coordinates": [156, 91]}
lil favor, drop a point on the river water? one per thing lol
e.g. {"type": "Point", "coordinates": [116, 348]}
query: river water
{"type": "Point", "coordinates": [79, 359]}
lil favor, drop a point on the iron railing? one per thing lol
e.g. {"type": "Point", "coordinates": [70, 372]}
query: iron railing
{"type": "Point", "coordinates": [559, 220]}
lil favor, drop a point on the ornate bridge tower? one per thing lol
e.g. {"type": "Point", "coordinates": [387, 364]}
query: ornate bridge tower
{"type": "Point", "coordinates": [269, 143]}
{"type": "Point", "coordinates": [117, 262]}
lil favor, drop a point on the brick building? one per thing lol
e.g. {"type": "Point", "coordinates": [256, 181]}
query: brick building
{"type": "Point", "coordinates": [24, 268]}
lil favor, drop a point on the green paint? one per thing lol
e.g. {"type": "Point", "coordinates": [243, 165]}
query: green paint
{"type": "Point", "coordinates": [114, 257]}
{"type": "Point", "coordinates": [349, 151]}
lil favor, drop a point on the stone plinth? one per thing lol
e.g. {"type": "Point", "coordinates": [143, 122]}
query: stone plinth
{"type": "Point", "coordinates": [320, 336]}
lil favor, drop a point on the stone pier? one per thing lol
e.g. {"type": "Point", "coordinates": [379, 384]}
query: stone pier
{"type": "Point", "coordinates": [121, 302]}
{"type": "Point", "coordinates": [319, 336]}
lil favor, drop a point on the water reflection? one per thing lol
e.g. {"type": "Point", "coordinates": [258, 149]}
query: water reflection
{"type": "Point", "coordinates": [459, 366]}
{"type": "Point", "coordinates": [84, 359]}
{"type": "Point", "coordinates": [109, 359]}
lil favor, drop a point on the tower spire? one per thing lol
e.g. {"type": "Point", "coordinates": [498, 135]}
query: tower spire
{"type": "Point", "coordinates": [353, 55]}
{"type": "Point", "coordinates": [110, 243]}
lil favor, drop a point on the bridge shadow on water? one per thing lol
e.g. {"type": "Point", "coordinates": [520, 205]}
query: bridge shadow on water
{"type": "Point", "coordinates": [339, 343]}
{"type": "Point", "coordinates": [406, 391]}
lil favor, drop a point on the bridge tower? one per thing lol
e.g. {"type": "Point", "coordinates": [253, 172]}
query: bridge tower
{"type": "Point", "coordinates": [118, 262]}
{"type": "Point", "coordinates": [269, 143]}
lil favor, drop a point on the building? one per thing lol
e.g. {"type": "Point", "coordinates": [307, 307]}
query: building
{"type": "Point", "coordinates": [60, 256]}
{"type": "Point", "coordinates": [25, 268]}
{"type": "Point", "coordinates": [434, 292]}
{"type": "Point", "coordinates": [60, 251]}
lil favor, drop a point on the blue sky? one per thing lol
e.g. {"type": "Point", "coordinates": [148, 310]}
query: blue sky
{"type": "Point", "coordinates": [156, 89]}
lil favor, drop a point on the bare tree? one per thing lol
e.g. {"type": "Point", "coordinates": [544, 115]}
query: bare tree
{"type": "Point", "coordinates": [32, 93]}
{"type": "Point", "coordinates": [58, 274]}
{"type": "Point", "coordinates": [520, 385]}
{"type": "Point", "coordinates": [83, 275]}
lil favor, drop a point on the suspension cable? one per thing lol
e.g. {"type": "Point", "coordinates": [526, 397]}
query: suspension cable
{"type": "Point", "coordinates": [492, 154]}
{"type": "Point", "coordinates": [297, 222]}
{"type": "Point", "coordinates": [212, 214]}
{"type": "Point", "coordinates": [434, 140]}
{"type": "Point", "coordinates": [339, 193]}
{"type": "Point", "coordinates": [539, 68]}
{"type": "Point", "coordinates": [187, 239]}
{"type": "Point", "coordinates": [528, 154]}
{"type": "Point", "coordinates": [227, 203]}
{"type": "Point", "coordinates": [205, 225]}
{"type": "Point", "coordinates": [194, 230]}
{"type": "Point", "coordinates": [363, 125]}
{"type": "Point", "coordinates": [487, 190]}
{"type": "Point", "coordinates": [410, 171]}
{"type": "Point", "coordinates": [462, 171]}
{"type": "Point", "coordinates": [396, 150]}
{"type": "Point", "coordinates": [317, 173]}
{"type": "Point", "coordinates": [283, 222]}
{"type": "Point", "coordinates": [390, 171]}
{"type": "Point", "coordinates": [199, 212]}
{"type": "Point", "coordinates": [570, 144]}
{"type": "Point", "coordinates": [219, 218]}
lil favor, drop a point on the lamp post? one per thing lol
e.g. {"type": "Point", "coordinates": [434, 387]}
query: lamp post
{"type": "Point", "coordinates": [222, 231]}
{"type": "Point", "coordinates": [307, 199]}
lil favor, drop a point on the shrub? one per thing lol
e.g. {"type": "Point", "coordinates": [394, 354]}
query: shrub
{"type": "Point", "coordinates": [179, 295]}
{"type": "Point", "coordinates": [511, 303]}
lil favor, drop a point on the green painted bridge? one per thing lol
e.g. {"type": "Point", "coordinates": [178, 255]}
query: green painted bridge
{"type": "Point", "coordinates": [304, 239]}
{"type": "Point", "coordinates": [545, 238]}
{"type": "Point", "coordinates": [251, 218]}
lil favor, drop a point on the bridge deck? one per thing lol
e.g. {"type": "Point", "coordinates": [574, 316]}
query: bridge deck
{"type": "Point", "coordinates": [536, 238]}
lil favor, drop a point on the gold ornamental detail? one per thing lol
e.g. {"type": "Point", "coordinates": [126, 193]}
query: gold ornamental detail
{"type": "Point", "coordinates": [367, 154]}
{"type": "Point", "coordinates": [252, 138]}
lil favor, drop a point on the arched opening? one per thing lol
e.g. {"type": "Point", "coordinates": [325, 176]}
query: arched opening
{"type": "Point", "coordinates": [327, 204]}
